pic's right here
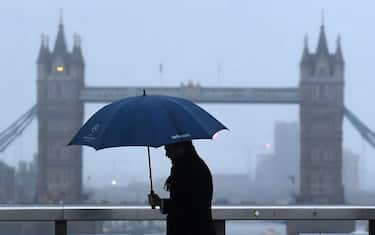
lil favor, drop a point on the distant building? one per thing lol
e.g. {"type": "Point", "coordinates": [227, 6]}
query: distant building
{"type": "Point", "coordinates": [286, 159]}
{"type": "Point", "coordinates": [7, 183]}
{"type": "Point", "coordinates": [287, 152]}
{"type": "Point", "coordinates": [321, 116]}
{"type": "Point", "coordinates": [232, 189]}
{"type": "Point", "coordinates": [277, 174]}
{"type": "Point", "coordinates": [26, 176]}
{"type": "Point", "coordinates": [269, 183]}
{"type": "Point", "coordinates": [60, 79]}
{"type": "Point", "coordinates": [265, 173]}
{"type": "Point", "coordinates": [350, 171]}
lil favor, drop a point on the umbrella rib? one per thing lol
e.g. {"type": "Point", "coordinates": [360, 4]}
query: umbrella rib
{"type": "Point", "coordinates": [152, 126]}
{"type": "Point", "coordinates": [107, 123]}
{"type": "Point", "coordinates": [171, 117]}
{"type": "Point", "coordinates": [192, 116]}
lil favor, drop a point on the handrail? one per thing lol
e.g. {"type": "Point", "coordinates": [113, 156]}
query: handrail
{"type": "Point", "coordinates": [61, 214]}
{"type": "Point", "coordinates": [96, 213]}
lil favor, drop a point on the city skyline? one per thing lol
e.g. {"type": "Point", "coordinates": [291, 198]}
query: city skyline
{"type": "Point", "coordinates": [236, 139]}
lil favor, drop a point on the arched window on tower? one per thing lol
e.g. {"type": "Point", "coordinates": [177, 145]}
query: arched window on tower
{"type": "Point", "coordinates": [321, 183]}
{"type": "Point", "coordinates": [327, 155]}
{"type": "Point", "coordinates": [314, 184]}
{"type": "Point", "coordinates": [58, 90]}
{"type": "Point", "coordinates": [58, 153]}
{"type": "Point", "coordinates": [320, 92]}
{"type": "Point", "coordinates": [58, 179]}
{"type": "Point", "coordinates": [321, 154]}
{"type": "Point", "coordinates": [322, 69]}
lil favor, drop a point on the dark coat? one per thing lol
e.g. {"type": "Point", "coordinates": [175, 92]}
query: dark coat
{"type": "Point", "coordinates": [189, 205]}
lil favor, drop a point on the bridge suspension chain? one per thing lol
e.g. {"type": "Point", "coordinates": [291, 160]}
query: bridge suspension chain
{"type": "Point", "coordinates": [8, 135]}
{"type": "Point", "coordinates": [365, 131]}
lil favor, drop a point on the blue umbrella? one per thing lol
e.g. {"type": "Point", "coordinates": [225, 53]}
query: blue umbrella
{"type": "Point", "coordinates": [148, 120]}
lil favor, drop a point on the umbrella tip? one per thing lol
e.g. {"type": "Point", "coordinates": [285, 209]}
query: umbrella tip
{"type": "Point", "coordinates": [144, 92]}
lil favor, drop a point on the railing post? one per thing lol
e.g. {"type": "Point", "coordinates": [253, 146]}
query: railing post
{"type": "Point", "coordinates": [60, 227]}
{"type": "Point", "coordinates": [371, 227]}
{"type": "Point", "coordinates": [220, 227]}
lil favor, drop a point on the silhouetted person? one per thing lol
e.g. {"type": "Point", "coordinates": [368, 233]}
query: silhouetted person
{"type": "Point", "coordinates": [188, 208]}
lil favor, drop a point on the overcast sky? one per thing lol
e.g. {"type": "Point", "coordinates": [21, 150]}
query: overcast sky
{"type": "Point", "coordinates": [257, 43]}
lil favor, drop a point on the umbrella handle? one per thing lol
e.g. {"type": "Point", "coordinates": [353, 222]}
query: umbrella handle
{"type": "Point", "coordinates": [150, 174]}
{"type": "Point", "coordinates": [152, 192]}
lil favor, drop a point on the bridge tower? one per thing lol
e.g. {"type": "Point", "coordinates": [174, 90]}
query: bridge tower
{"type": "Point", "coordinates": [60, 79]}
{"type": "Point", "coordinates": [321, 116]}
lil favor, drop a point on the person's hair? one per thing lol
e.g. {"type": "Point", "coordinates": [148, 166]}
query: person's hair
{"type": "Point", "coordinates": [189, 147]}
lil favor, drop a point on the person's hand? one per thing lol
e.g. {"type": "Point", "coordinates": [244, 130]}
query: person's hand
{"type": "Point", "coordinates": [167, 184]}
{"type": "Point", "coordinates": [154, 200]}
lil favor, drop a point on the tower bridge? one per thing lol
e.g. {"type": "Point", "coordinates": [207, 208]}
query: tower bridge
{"type": "Point", "coordinates": [61, 95]}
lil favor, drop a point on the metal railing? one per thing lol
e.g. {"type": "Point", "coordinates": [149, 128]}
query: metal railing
{"type": "Point", "coordinates": [62, 214]}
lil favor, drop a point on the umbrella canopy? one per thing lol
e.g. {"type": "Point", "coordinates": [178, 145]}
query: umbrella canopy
{"type": "Point", "coordinates": [148, 120]}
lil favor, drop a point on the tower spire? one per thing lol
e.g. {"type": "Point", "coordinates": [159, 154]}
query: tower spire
{"type": "Point", "coordinates": [306, 54]}
{"type": "Point", "coordinates": [338, 55]}
{"type": "Point", "coordinates": [60, 48]}
{"type": "Point", "coordinates": [47, 43]}
{"type": "Point", "coordinates": [322, 47]}
{"type": "Point", "coordinates": [76, 56]}
{"type": "Point", "coordinates": [61, 16]}
{"type": "Point", "coordinates": [77, 40]}
{"type": "Point", "coordinates": [43, 51]}
{"type": "Point", "coordinates": [42, 41]}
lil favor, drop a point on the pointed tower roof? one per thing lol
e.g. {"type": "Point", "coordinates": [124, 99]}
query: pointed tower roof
{"type": "Point", "coordinates": [60, 48]}
{"type": "Point", "coordinates": [306, 57]}
{"type": "Point", "coordinates": [339, 59]}
{"type": "Point", "coordinates": [43, 56]}
{"type": "Point", "coordinates": [322, 47]}
{"type": "Point", "coordinates": [76, 56]}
